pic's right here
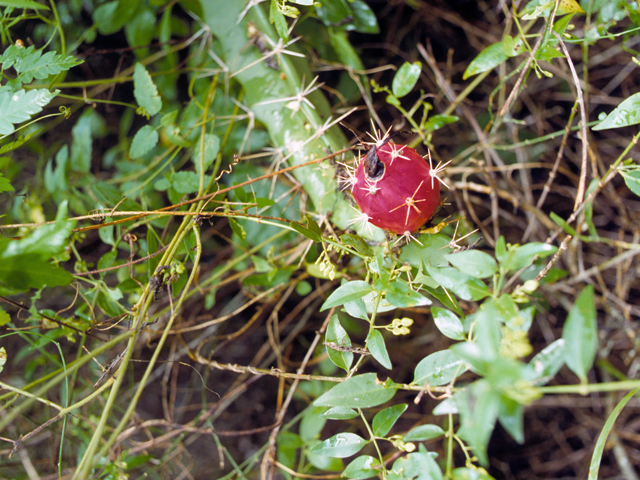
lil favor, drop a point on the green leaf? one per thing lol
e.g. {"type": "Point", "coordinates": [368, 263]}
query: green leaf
{"type": "Point", "coordinates": [464, 286]}
{"type": "Point", "coordinates": [364, 466]}
{"type": "Point", "coordinates": [423, 433]}
{"type": "Point", "coordinates": [112, 16]}
{"type": "Point", "coordinates": [473, 262]}
{"type": "Point", "coordinates": [312, 423]}
{"type": "Point", "coordinates": [145, 90]}
{"type": "Point", "coordinates": [341, 445]}
{"type": "Point", "coordinates": [358, 243]}
{"type": "Point", "coordinates": [510, 416]}
{"type": "Point", "coordinates": [5, 184]}
{"type": "Point", "coordinates": [364, 19]}
{"type": "Point", "coordinates": [517, 257]}
{"type": "Point", "coordinates": [430, 253]}
{"type": "Point", "coordinates": [23, 4]}
{"type": "Point", "coordinates": [548, 53]}
{"type": "Point", "coordinates": [378, 349]}
{"type": "Point", "coordinates": [436, 122]}
{"type": "Point", "coordinates": [311, 231]}
{"type": "Point", "coordinates": [4, 319]}
{"type": "Point", "coordinates": [406, 78]}
{"type": "Point", "coordinates": [340, 413]}
{"type": "Point", "coordinates": [338, 335]}
{"type": "Point", "coordinates": [140, 30]}
{"type": "Point", "coordinates": [625, 114]}
{"type": "Point", "coordinates": [439, 368]}
{"type": "Point", "coordinates": [276, 17]}
{"type": "Point", "coordinates": [632, 179]}
{"type": "Point", "coordinates": [487, 59]}
{"type": "Point", "coordinates": [211, 149]}
{"type": "Point", "coordinates": [547, 363]}
{"type": "Point", "coordinates": [596, 458]}
{"type": "Point", "coordinates": [347, 293]}
{"type": "Point", "coordinates": [448, 323]}
{"type": "Point", "coordinates": [385, 419]}
{"type": "Point", "coordinates": [562, 223]}
{"type": "Point", "coordinates": [145, 139]}
{"type": "Point", "coordinates": [30, 270]}
{"type": "Point", "coordinates": [19, 106]}
{"type": "Point", "coordinates": [580, 333]}
{"type": "Point", "coordinates": [31, 63]}
{"type": "Point", "coordinates": [400, 295]}
{"type": "Point", "coordinates": [465, 473]}
{"type": "Point", "coordinates": [419, 465]}
{"type": "Point", "coordinates": [360, 391]}
{"type": "Point", "coordinates": [187, 182]}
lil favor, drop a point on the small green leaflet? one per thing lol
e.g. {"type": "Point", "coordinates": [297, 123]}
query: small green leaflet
{"type": "Point", "coordinates": [19, 106]}
{"type": "Point", "coordinates": [632, 179]}
{"type": "Point", "coordinates": [347, 293]}
{"type": "Point", "coordinates": [5, 185]}
{"type": "Point", "coordinates": [145, 91]}
{"type": "Point", "coordinates": [341, 445]}
{"type": "Point", "coordinates": [406, 78]}
{"type": "Point", "coordinates": [385, 419]}
{"type": "Point", "coordinates": [145, 139]}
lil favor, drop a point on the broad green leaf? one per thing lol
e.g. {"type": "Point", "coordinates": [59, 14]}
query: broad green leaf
{"type": "Point", "coordinates": [448, 323]}
{"type": "Point", "coordinates": [473, 262]}
{"type": "Point", "coordinates": [141, 29]}
{"type": "Point", "coordinates": [211, 149]}
{"type": "Point", "coordinates": [23, 4]}
{"type": "Point", "coordinates": [400, 295]}
{"type": "Point", "coordinates": [632, 179]}
{"type": "Point", "coordinates": [364, 466]}
{"type": "Point", "coordinates": [358, 243]}
{"type": "Point", "coordinates": [5, 184]}
{"type": "Point", "coordinates": [385, 419]}
{"type": "Point", "coordinates": [487, 59]}
{"type": "Point", "coordinates": [406, 78]}
{"type": "Point", "coordinates": [145, 90]}
{"type": "Point", "coordinates": [423, 433]}
{"type": "Point", "coordinates": [334, 12]}
{"type": "Point", "coordinates": [364, 19]}
{"type": "Point", "coordinates": [624, 115]}
{"type": "Point", "coordinates": [322, 462]}
{"type": "Point", "coordinates": [19, 106]}
{"type": "Point", "coordinates": [347, 293]}
{"type": "Point", "coordinates": [338, 335]}
{"type": "Point", "coordinates": [340, 413]}
{"type": "Point", "coordinates": [112, 16]}
{"type": "Point", "coordinates": [548, 53]}
{"type": "Point", "coordinates": [312, 423]}
{"type": "Point", "coordinates": [521, 256]}
{"type": "Point", "coordinates": [30, 270]}
{"type": "Point", "coordinates": [580, 334]}
{"type": "Point", "coordinates": [341, 445]}
{"type": "Point", "coordinates": [430, 254]}
{"type": "Point", "coordinates": [596, 458]}
{"type": "Point", "coordinates": [378, 349]}
{"type": "Point", "coordinates": [361, 391]}
{"type": "Point", "coordinates": [464, 286]}
{"type": "Point", "coordinates": [439, 368]}
{"type": "Point", "coordinates": [145, 139]}
{"type": "Point", "coordinates": [547, 363]}
{"type": "Point", "coordinates": [186, 182]}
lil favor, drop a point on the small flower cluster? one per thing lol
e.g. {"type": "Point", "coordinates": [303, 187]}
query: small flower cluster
{"type": "Point", "coordinates": [396, 441]}
{"type": "Point", "coordinates": [400, 326]}
{"type": "Point", "coordinates": [326, 266]}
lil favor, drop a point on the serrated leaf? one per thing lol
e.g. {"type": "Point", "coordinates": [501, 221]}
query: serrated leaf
{"type": "Point", "coordinates": [625, 114]}
{"type": "Point", "coordinates": [360, 391]}
{"type": "Point", "coordinates": [464, 286]}
{"type": "Point", "coordinates": [19, 106]}
{"type": "Point", "coordinates": [5, 184]}
{"type": "Point", "coordinates": [338, 335]}
{"type": "Point", "coordinates": [580, 334]}
{"type": "Point", "coordinates": [340, 446]}
{"type": "Point", "coordinates": [378, 349]}
{"type": "Point", "coordinates": [406, 78]}
{"type": "Point", "coordinates": [23, 4]}
{"type": "Point", "coordinates": [423, 433]}
{"type": "Point", "coordinates": [473, 262]}
{"type": "Point", "coordinates": [31, 63]}
{"type": "Point", "coordinates": [348, 292]}
{"type": "Point", "coordinates": [362, 467]}
{"type": "Point", "coordinates": [144, 140]}
{"type": "Point", "coordinates": [145, 90]}
{"type": "Point", "coordinates": [448, 323]}
{"type": "Point", "coordinates": [487, 59]}
{"type": "Point", "coordinates": [438, 368]}
{"type": "Point", "coordinates": [385, 419]}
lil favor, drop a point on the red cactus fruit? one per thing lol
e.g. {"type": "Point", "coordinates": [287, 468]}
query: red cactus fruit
{"type": "Point", "coordinates": [395, 188]}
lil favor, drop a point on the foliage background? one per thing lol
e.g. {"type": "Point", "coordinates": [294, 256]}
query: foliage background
{"type": "Point", "coordinates": [213, 392]}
